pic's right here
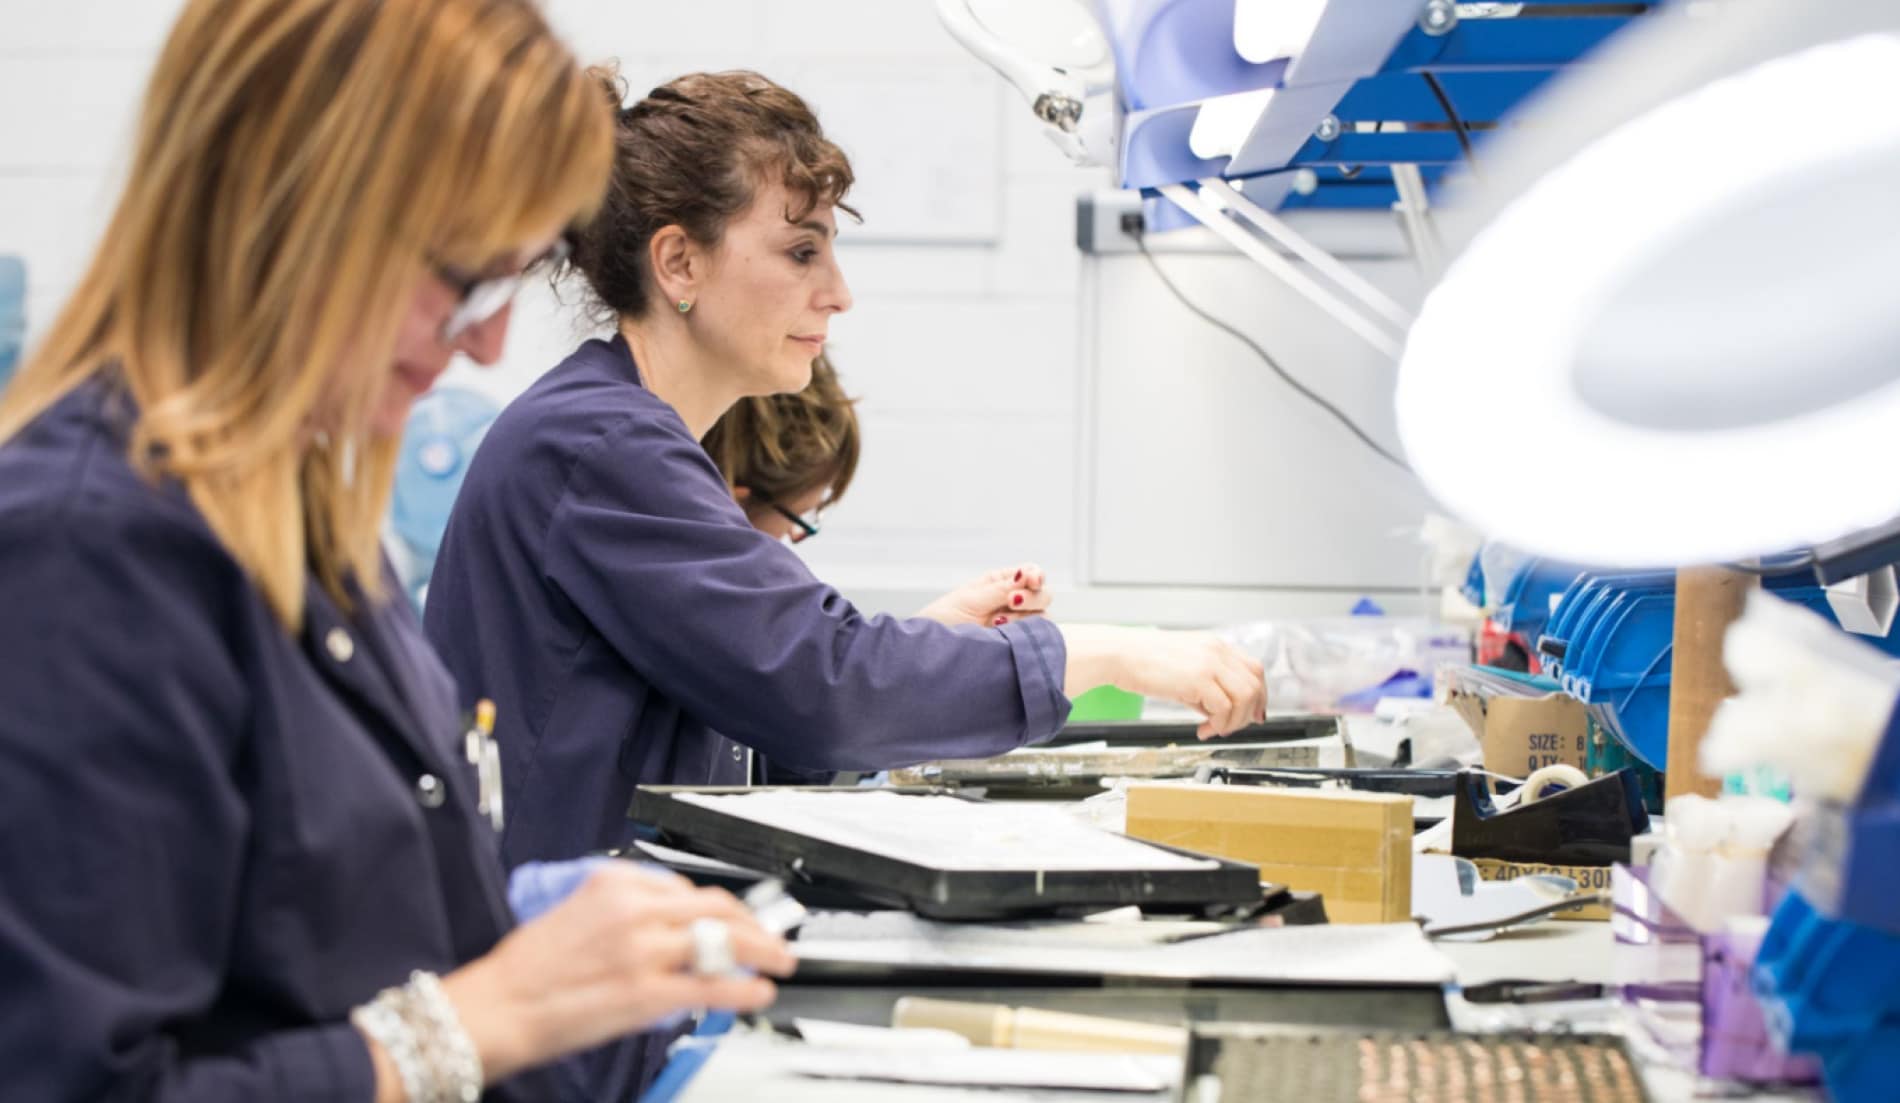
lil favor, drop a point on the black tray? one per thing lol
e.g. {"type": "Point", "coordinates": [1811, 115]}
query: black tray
{"type": "Point", "coordinates": [1411, 783]}
{"type": "Point", "coordinates": [934, 892]}
{"type": "Point", "coordinates": [1153, 733]}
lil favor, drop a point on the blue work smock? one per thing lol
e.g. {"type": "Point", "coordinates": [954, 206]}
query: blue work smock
{"type": "Point", "coordinates": [215, 838]}
{"type": "Point", "coordinates": [599, 583]}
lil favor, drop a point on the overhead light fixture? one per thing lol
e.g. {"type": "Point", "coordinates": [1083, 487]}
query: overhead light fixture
{"type": "Point", "coordinates": [1683, 331]}
{"type": "Point", "coordinates": [1266, 30]}
{"type": "Point", "coordinates": [1223, 123]}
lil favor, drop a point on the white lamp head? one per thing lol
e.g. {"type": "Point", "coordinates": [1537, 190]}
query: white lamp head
{"type": "Point", "coordinates": [1056, 56]}
{"type": "Point", "coordinates": [1683, 300]}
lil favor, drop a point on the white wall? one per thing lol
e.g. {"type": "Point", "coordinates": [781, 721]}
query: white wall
{"type": "Point", "coordinates": [1018, 399]}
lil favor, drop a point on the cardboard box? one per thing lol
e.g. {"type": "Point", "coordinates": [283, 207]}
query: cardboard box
{"type": "Point", "coordinates": [1521, 735]}
{"type": "Point", "coordinates": [1354, 849]}
{"type": "Point", "coordinates": [1587, 878]}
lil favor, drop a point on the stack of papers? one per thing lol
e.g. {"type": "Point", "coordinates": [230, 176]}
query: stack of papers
{"type": "Point", "coordinates": [1396, 954]}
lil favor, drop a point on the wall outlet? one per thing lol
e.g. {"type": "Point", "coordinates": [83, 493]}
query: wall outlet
{"type": "Point", "coordinates": [1103, 219]}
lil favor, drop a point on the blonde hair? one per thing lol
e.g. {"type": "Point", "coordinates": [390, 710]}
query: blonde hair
{"type": "Point", "coordinates": [785, 445]}
{"type": "Point", "coordinates": [298, 167]}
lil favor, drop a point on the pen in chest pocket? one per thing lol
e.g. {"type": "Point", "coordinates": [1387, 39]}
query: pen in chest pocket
{"type": "Point", "coordinates": [479, 746]}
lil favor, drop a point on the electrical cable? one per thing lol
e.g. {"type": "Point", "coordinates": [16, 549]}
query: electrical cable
{"type": "Point", "coordinates": [1305, 391]}
{"type": "Point", "coordinates": [1458, 125]}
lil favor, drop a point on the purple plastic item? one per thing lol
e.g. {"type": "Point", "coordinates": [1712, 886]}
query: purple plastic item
{"type": "Point", "coordinates": [1735, 1040]}
{"type": "Point", "coordinates": [1658, 956]}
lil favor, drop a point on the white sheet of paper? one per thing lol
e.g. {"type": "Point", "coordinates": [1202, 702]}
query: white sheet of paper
{"type": "Point", "coordinates": [686, 859]}
{"type": "Point", "coordinates": [993, 1068]}
{"type": "Point", "coordinates": [948, 832]}
{"type": "Point", "coordinates": [825, 1032]}
{"type": "Point", "coordinates": [1394, 953]}
{"type": "Point", "coordinates": [1026, 934]}
{"type": "Point", "coordinates": [1438, 896]}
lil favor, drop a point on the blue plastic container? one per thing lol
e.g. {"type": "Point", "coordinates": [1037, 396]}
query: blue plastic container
{"type": "Point", "coordinates": [1564, 631]}
{"type": "Point", "coordinates": [444, 428]}
{"type": "Point", "coordinates": [1609, 644]}
{"type": "Point", "coordinates": [1832, 988]}
{"type": "Point", "coordinates": [1848, 868]}
{"type": "Point", "coordinates": [1625, 640]}
{"type": "Point", "coordinates": [1584, 600]}
{"type": "Point", "coordinates": [12, 314]}
{"type": "Point", "coordinates": [1473, 588]}
{"type": "Point", "coordinates": [1525, 607]}
{"type": "Point", "coordinates": [1829, 969]}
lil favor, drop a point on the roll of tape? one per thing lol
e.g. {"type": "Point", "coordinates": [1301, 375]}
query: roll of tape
{"type": "Point", "coordinates": [1551, 780]}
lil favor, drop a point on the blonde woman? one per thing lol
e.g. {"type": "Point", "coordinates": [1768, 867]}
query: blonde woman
{"type": "Point", "coordinates": [241, 848]}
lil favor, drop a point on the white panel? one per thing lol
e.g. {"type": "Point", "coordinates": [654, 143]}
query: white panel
{"type": "Point", "coordinates": [1211, 471]}
{"type": "Point", "coordinates": [62, 114]}
{"type": "Point", "coordinates": [979, 358]}
{"type": "Point", "coordinates": [41, 305]}
{"type": "Point", "coordinates": [600, 29]}
{"type": "Point", "coordinates": [856, 29]}
{"type": "Point", "coordinates": [1037, 260]}
{"type": "Point", "coordinates": [89, 26]}
{"type": "Point", "coordinates": [885, 270]}
{"type": "Point", "coordinates": [53, 223]}
{"type": "Point", "coordinates": [923, 142]}
{"type": "Point", "coordinates": [943, 497]}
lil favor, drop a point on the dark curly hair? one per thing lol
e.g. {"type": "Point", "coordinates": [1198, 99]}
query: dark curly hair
{"type": "Point", "coordinates": [693, 153]}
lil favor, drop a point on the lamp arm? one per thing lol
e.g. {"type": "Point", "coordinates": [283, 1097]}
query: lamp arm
{"type": "Point", "coordinates": [1055, 95]}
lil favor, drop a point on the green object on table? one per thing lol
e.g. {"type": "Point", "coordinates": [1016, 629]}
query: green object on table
{"type": "Point", "coordinates": [1105, 703]}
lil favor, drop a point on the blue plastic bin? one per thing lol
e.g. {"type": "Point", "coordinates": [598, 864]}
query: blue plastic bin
{"type": "Point", "coordinates": [1832, 988]}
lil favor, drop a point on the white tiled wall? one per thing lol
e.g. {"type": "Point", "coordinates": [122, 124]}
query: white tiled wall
{"type": "Point", "coordinates": [972, 356]}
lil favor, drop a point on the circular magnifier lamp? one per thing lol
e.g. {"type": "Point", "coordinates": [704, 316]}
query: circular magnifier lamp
{"type": "Point", "coordinates": [1676, 336]}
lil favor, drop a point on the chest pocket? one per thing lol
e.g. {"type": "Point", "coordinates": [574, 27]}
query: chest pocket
{"type": "Point", "coordinates": [366, 832]}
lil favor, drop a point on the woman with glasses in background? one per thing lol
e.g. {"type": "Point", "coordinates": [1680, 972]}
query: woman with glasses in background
{"type": "Point", "coordinates": [789, 457]}
{"type": "Point", "coordinates": [243, 855]}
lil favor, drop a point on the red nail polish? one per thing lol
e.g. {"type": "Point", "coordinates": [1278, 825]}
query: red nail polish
{"type": "Point", "coordinates": [1019, 576]}
{"type": "Point", "coordinates": [1000, 621]}
{"type": "Point", "coordinates": [1015, 599]}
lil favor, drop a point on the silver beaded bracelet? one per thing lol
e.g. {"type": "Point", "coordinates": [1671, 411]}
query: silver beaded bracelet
{"type": "Point", "coordinates": [457, 1064]}
{"type": "Point", "coordinates": [417, 1026]}
{"type": "Point", "coordinates": [380, 1022]}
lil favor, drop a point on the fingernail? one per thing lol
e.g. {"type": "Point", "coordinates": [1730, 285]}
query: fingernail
{"type": "Point", "coordinates": [1015, 599]}
{"type": "Point", "coordinates": [1019, 576]}
{"type": "Point", "coordinates": [1000, 621]}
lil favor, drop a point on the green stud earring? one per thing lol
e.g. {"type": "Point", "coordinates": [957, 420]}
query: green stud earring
{"type": "Point", "coordinates": [685, 306]}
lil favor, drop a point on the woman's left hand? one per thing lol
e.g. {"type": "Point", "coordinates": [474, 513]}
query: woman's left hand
{"type": "Point", "coordinates": [1002, 595]}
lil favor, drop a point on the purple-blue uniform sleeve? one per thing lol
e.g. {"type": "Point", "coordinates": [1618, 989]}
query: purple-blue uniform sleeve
{"type": "Point", "coordinates": [648, 544]}
{"type": "Point", "coordinates": [123, 836]}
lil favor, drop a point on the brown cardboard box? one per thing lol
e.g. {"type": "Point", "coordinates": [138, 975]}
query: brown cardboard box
{"type": "Point", "coordinates": [1587, 878]}
{"type": "Point", "coordinates": [1354, 849]}
{"type": "Point", "coordinates": [1521, 735]}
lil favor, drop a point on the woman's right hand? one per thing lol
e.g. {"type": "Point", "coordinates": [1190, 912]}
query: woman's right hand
{"type": "Point", "coordinates": [611, 959]}
{"type": "Point", "coordinates": [1195, 669]}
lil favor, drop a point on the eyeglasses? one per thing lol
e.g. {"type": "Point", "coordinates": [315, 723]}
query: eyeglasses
{"type": "Point", "coordinates": [807, 525]}
{"type": "Point", "coordinates": [484, 297]}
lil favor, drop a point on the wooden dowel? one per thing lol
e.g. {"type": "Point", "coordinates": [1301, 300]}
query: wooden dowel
{"type": "Point", "coordinates": [1708, 600]}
